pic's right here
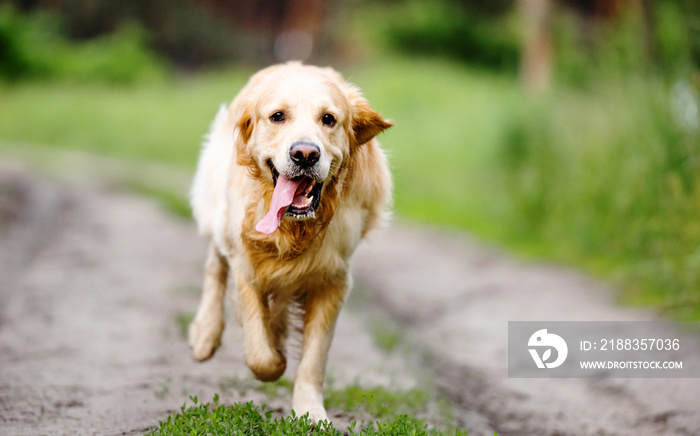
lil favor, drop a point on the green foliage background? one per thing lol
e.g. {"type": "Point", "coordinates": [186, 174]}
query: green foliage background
{"type": "Point", "coordinates": [35, 47]}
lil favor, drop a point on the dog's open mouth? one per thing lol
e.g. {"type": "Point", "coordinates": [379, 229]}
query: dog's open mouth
{"type": "Point", "coordinates": [298, 198]}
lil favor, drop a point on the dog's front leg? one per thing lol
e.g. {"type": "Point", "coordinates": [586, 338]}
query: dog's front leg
{"type": "Point", "coordinates": [322, 310]}
{"type": "Point", "coordinates": [261, 356]}
{"type": "Point", "coordinates": [207, 326]}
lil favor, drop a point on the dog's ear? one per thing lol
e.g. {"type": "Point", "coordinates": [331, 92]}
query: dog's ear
{"type": "Point", "coordinates": [366, 123]}
{"type": "Point", "coordinates": [245, 122]}
{"type": "Point", "coordinates": [244, 125]}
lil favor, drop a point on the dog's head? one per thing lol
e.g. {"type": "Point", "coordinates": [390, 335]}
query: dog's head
{"type": "Point", "coordinates": [299, 127]}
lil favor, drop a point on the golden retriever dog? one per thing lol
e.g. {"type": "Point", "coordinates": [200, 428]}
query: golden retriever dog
{"type": "Point", "coordinates": [290, 180]}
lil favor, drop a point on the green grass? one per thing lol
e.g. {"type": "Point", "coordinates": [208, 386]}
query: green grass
{"type": "Point", "coordinates": [183, 320]}
{"type": "Point", "coordinates": [385, 334]}
{"type": "Point", "coordinates": [385, 337]}
{"type": "Point", "coordinates": [173, 201]}
{"type": "Point", "coordinates": [378, 401]}
{"type": "Point", "coordinates": [448, 120]}
{"type": "Point", "coordinates": [249, 419]}
{"type": "Point", "coordinates": [157, 121]}
{"type": "Point", "coordinates": [281, 388]}
{"type": "Point", "coordinates": [608, 179]}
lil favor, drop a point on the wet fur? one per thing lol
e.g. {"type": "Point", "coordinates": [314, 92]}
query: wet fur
{"type": "Point", "coordinates": [305, 263]}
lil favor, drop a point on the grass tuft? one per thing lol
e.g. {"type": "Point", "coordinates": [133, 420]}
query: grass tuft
{"type": "Point", "coordinates": [183, 320]}
{"type": "Point", "coordinates": [385, 335]}
{"type": "Point", "coordinates": [378, 402]}
{"type": "Point", "coordinates": [251, 420]}
{"type": "Point", "coordinates": [173, 202]}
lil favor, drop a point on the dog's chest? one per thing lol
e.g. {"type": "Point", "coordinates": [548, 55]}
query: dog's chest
{"type": "Point", "coordinates": [316, 265]}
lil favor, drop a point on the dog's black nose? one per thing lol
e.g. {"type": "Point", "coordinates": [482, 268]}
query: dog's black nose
{"type": "Point", "coordinates": [304, 154]}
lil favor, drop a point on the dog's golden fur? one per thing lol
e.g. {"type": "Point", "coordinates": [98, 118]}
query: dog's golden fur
{"type": "Point", "coordinates": [305, 262]}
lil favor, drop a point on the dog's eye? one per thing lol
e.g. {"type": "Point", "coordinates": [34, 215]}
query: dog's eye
{"type": "Point", "coordinates": [278, 117]}
{"type": "Point", "coordinates": [328, 120]}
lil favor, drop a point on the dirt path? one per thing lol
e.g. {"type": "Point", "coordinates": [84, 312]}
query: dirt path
{"type": "Point", "coordinates": [91, 284]}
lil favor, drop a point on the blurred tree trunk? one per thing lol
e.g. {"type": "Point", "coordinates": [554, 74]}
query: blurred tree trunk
{"type": "Point", "coordinates": [649, 26]}
{"type": "Point", "coordinates": [298, 37]}
{"type": "Point", "coordinates": [536, 60]}
{"type": "Point", "coordinates": [288, 29]}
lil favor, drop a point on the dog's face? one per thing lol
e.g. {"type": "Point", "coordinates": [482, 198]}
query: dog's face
{"type": "Point", "coordinates": [302, 133]}
{"type": "Point", "coordinates": [300, 125]}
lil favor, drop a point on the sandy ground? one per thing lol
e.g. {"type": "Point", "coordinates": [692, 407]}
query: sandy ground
{"type": "Point", "coordinates": [92, 281]}
{"type": "Point", "coordinates": [455, 297]}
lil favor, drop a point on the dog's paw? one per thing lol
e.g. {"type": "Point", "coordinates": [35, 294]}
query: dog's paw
{"type": "Point", "coordinates": [308, 399]}
{"type": "Point", "coordinates": [267, 367]}
{"type": "Point", "coordinates": [205, 338]}
{"type": "Point", "coordinates": [316, 413]}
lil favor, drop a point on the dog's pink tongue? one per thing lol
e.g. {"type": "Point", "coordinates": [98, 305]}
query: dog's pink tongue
{"type": "Point", "coordinates": [281, 198]}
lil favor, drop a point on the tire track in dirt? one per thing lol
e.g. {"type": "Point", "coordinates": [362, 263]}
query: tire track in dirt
{"type": "Point", "coordinates": [455, 297]}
